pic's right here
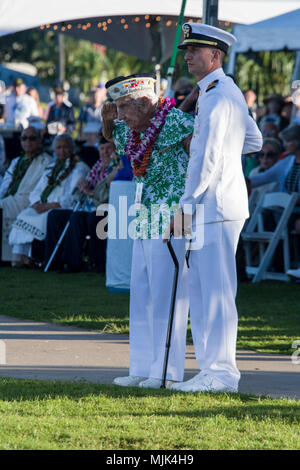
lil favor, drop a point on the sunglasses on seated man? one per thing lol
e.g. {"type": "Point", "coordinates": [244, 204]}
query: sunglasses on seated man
{"type": "Point", "coordinates": [29, 137]}
{"type": "Point", "coordinates": [267, 154]}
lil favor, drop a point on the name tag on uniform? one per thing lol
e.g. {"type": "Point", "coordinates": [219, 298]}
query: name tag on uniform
{"type": "Point", "coordinates": [138, 195]}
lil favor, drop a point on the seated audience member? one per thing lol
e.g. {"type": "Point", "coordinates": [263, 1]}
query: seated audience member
{"type": "Point", "coordinates": [267, 157]}
{"type": "Point", "coordinates": [88, 151]}
{"type": "Point", "coordinates": [54, 190]}
{"type": "Point", "coordinates": [286, 171]}
{"type": "Point", "coordinates": [61, 114]}
{"type": "Point", "coordinates": [274, 104]}
{"type": "Point", "coordinates": [269, 129]}
{"type": "Point", "coordinates": [19, 180]}
{"type": "Point", "coordinates": [94, 189]}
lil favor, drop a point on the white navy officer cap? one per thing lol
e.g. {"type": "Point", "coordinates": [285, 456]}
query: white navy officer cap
{"type": "Point", "coordinates": [203, 35]}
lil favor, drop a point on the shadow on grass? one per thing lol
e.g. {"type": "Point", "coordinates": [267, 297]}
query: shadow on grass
{"type": "Point", "coordinates": [169, 404]}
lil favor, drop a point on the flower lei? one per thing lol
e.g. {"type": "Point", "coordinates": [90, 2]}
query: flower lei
{"type": "Point", "coordinates": [97, 173]}
{"type": "Point", "coordinates": [56, 176]}
{"type": "Point", "coordinates": [19, 171]}
{"type": "Point", "coordinates": [139, 150]}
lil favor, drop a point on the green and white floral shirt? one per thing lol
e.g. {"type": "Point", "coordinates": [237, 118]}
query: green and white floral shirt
{"type": "Point", "coordinates": [164, 181]}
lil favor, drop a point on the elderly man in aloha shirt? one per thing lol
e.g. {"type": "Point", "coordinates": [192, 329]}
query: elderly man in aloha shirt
{"type": "Point", "coordinates": [155, 136]}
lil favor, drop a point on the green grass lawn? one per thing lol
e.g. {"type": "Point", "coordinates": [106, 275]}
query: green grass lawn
{"type": "Point", "coordinates": [269, 312]}
{"type": "Point", "coordinates": [57, 415]}
{"type": "Point", "coordinates": [54, 415]}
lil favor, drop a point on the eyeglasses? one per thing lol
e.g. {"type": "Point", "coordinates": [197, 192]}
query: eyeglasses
{"type": "Point", "coordinates": [267, 154]}
{"type": "Point", "coordinates": [32, 138]}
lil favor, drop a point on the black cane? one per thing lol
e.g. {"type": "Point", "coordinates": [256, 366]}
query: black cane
{"type": "Point", "coordinates": [171, 314]}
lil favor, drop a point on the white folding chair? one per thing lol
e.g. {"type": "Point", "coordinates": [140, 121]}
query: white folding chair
{"type": "Point", "coordinates": [258, 192]}
{"type": "Point", "coordinates": [268, 241]}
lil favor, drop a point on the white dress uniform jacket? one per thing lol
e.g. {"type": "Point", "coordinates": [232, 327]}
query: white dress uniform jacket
{"type": "Point", "coordinates": [223, 132]}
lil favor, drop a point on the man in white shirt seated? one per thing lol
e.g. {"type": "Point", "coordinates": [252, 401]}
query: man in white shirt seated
{"type": "Point", "coordinates": [19, 106]}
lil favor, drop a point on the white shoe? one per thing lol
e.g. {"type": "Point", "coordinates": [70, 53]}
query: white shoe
{"type": "Point", "coordinates": [179, 385]}
{"type": "Point", "coordinates": [128, 380]}
{"type": "Point", "coordinates": [154, 383]}
{"type": "Point", "coordinates": [203, 383]}
{"type": "Point", "coordinates": [294, 272]}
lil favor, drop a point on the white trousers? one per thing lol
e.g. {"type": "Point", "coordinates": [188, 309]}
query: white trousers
{"type": "Point", "coordinates": [213, 314]}
{"type": "Point", "coordinates": [150, 296]}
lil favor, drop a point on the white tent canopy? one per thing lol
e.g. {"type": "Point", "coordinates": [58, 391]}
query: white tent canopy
{"type": "Point", "coordinates": [19, 15]}
{"type": "Point", "coordinates": [275, 34]}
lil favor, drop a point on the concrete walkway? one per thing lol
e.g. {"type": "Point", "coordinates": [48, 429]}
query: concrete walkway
{"type": "Point", "coordinates": [36, 350]}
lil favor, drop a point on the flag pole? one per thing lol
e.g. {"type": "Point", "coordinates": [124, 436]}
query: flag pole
{"type": "Point", "coordinates": [171, 68]}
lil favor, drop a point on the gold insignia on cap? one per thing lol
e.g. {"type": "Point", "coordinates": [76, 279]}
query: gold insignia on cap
{"type": "Point", "coordinates": [187, 31]}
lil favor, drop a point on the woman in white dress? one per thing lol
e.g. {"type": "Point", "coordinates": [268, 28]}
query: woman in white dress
{"type": "Point", "coordinates": [19, 180]}
{"type": "Point", "coordinates": [53, 191]}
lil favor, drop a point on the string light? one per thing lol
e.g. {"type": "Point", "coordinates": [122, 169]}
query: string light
{"type": "Point", "coordinates": [109, 21]}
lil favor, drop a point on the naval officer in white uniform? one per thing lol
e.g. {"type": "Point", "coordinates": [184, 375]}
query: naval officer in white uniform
{"type": "Point", "coordinates": [223, 131]}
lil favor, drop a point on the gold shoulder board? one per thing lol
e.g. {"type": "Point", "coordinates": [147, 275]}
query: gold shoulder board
{"type": "Point", "coordinates": [212, 85]}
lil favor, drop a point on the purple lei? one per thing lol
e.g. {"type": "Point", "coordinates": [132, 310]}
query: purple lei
{"type": "Point", "coordinates": [134, 152]}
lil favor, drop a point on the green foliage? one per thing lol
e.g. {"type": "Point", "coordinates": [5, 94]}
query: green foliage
{"type": "Point", "coordinates": [117, 63]}
{"type": "Point", "coordinates": [265, 72]}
